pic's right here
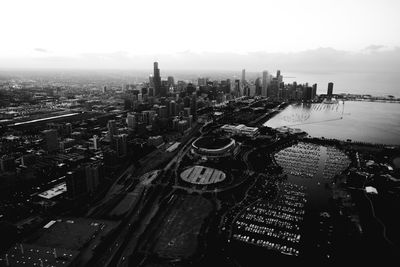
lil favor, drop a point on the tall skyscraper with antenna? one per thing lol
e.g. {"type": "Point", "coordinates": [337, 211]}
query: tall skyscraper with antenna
{"type": "Point", "coordinates": [156, 79]}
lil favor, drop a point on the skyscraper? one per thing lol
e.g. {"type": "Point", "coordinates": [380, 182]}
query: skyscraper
{"type": "Point", "coordinates": [131, 120]}
{"type": "Point", "coordinates": [171, 81]}
{"type": "Point", "coordinates": [112, 129]}
{"type": "Point", "coordinates": [96, 142]}
{"type": "Point", "coordinates": [172, 108]}
{"type": "Point", "coordinates": [314, 90]}
{"type": "Point", "coordinates": [76, 182]}
{"type": "Point", "coordinates": [279, 76]}
{"type": "Point", "coordinates": [265, 82]}
{"type": "Point", "coordinates": [92, 174]}
{"type": "Point", "coordinates": [156, 79]}
{"type": "Point", "coordinates": [258, 86]}
{"type": "Point", "coordinates": [243, 76]}
{"type": "Point", "coordinates": [120, 145]}
{"type": "Point", "coordinates": [330, 89]}
{"type": "Point", "coordinates": [237, 88]}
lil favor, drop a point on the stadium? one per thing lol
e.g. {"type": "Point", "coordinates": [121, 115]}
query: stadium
{"type": "Point", "coordinates": [213, 147]}
{"type": "Point", "coordinates": [200, 175]}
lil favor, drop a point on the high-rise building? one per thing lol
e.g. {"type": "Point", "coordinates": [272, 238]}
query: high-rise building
{"type": "Point", "coordinates": [131, 120]}
{"type": "Point", "coordinates": [243, 76]}
{"type": "Point", "coordinates": [120, 145]}
{"type": "Point", "coordinates": [147, 116]}
{"type": "Point", "coordinates": [279, 76]}
{"type": "Point", "coordinates": [151, 81]}
{"type": "Point", "coordinates": [171, 82]}
{"type": "Point", "coordinates": [265, 83]}
{"type": "Point", "coordinates": [237, 88]}
{"type": "Point", "coordinates": [156, 79]}
{"type": "Point", "coordinates": [7, 163]}
{"type": "Point", "coordinates": [307, 93]}
{"type": "Point", "coordinates": [330, 89]}
{"type": "Point", "coordinates": [51, 139]}
{"type": "Point", "coordinates": [172, 108]}
{"type": "Point", "coordinates": [76, 182]}
{"type": "Point", "coordinates": [151, 91]}
{"type": "Point", "coordinates": [112, 129]}
{"type": "Point", "coordinates": [96, 142]}
{"type": "Point", "coordinates": [92, 175]}
{"type": "Point", "coordinates": [258, 86]}
{"type": "Point", "coordinates": [163, 112]}
{"type": "Point", "coordinates": [193, 106]}
{"type": "Point", "coordinates": [186, 112]}
{"type": "Point", "coordinates": [68, 128]}
{"type": "Point", "coordinates": [202, 81]}
{"type": "Point", "coordinates": [314, 90]}
{"type": "Point", "coordinates": [190, 89]}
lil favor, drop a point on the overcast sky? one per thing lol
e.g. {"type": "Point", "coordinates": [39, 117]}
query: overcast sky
{"type": "Point", "coordinates": [193, 33]}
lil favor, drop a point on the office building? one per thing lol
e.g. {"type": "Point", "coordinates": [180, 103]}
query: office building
{"type": "Point", "coordinates": [156, 79]}
{"type": "Point", "coordinates": [330, 90]}
{"type": "Point", "coordinates": [120, 145]}
{"type": "Point", "coordinates": [171, 82]}
{"type": "Point", "coordinates": [92, 174]}
{"type": "Point", "coordinates": [51, 140]}
{"type": "Point", "coordinates": [131, 120]}
{"type": "Point", "coordinates": [314, 90]}
{"type": "Point", "coordinates": [76, 182]}
{"type": "Point", "coordinates": [112, 129]}
{"type": "Point", "coordinates": [96, 142]}
{"type": "Point", "coordinates": [265, 83]}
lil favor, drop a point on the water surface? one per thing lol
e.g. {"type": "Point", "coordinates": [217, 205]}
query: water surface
{"type": "Point", "coordinates": [372, 122]}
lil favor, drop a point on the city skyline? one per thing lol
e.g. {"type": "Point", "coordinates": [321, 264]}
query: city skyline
{"type": "Point", "coordinates": [199, 132]}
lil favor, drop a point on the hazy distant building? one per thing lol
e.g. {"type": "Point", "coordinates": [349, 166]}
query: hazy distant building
{"type": "Point", "coordinates": [279, 77]}
{"type": "Point", "coordinates": [171, 82]}
{"type": "Point", "coordinates": [243, 76]}
{"type": "Point", "coordinates": [258, 85]}
{"type": "Point", "coordinates": [202, 81]}
{"type": "Point", "coordinates": [330, 89]}
{"type": "Point", "coordinates": [265, 83]}
{"type": "Point", "coordinates": [51, 139]}
{"type": "Point", "coordinates": [237, 88]}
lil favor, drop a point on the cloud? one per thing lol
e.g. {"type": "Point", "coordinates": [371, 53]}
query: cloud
{"type": "Point", "coordinates": [374, 48]}
{"type": "Point", "coordinates": [42, 50]}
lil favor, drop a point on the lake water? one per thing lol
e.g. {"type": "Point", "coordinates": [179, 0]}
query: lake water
{"type": "Point", "coordinates": [373, 83]}
{"type": "Point", "coordinates": [371, 122]}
